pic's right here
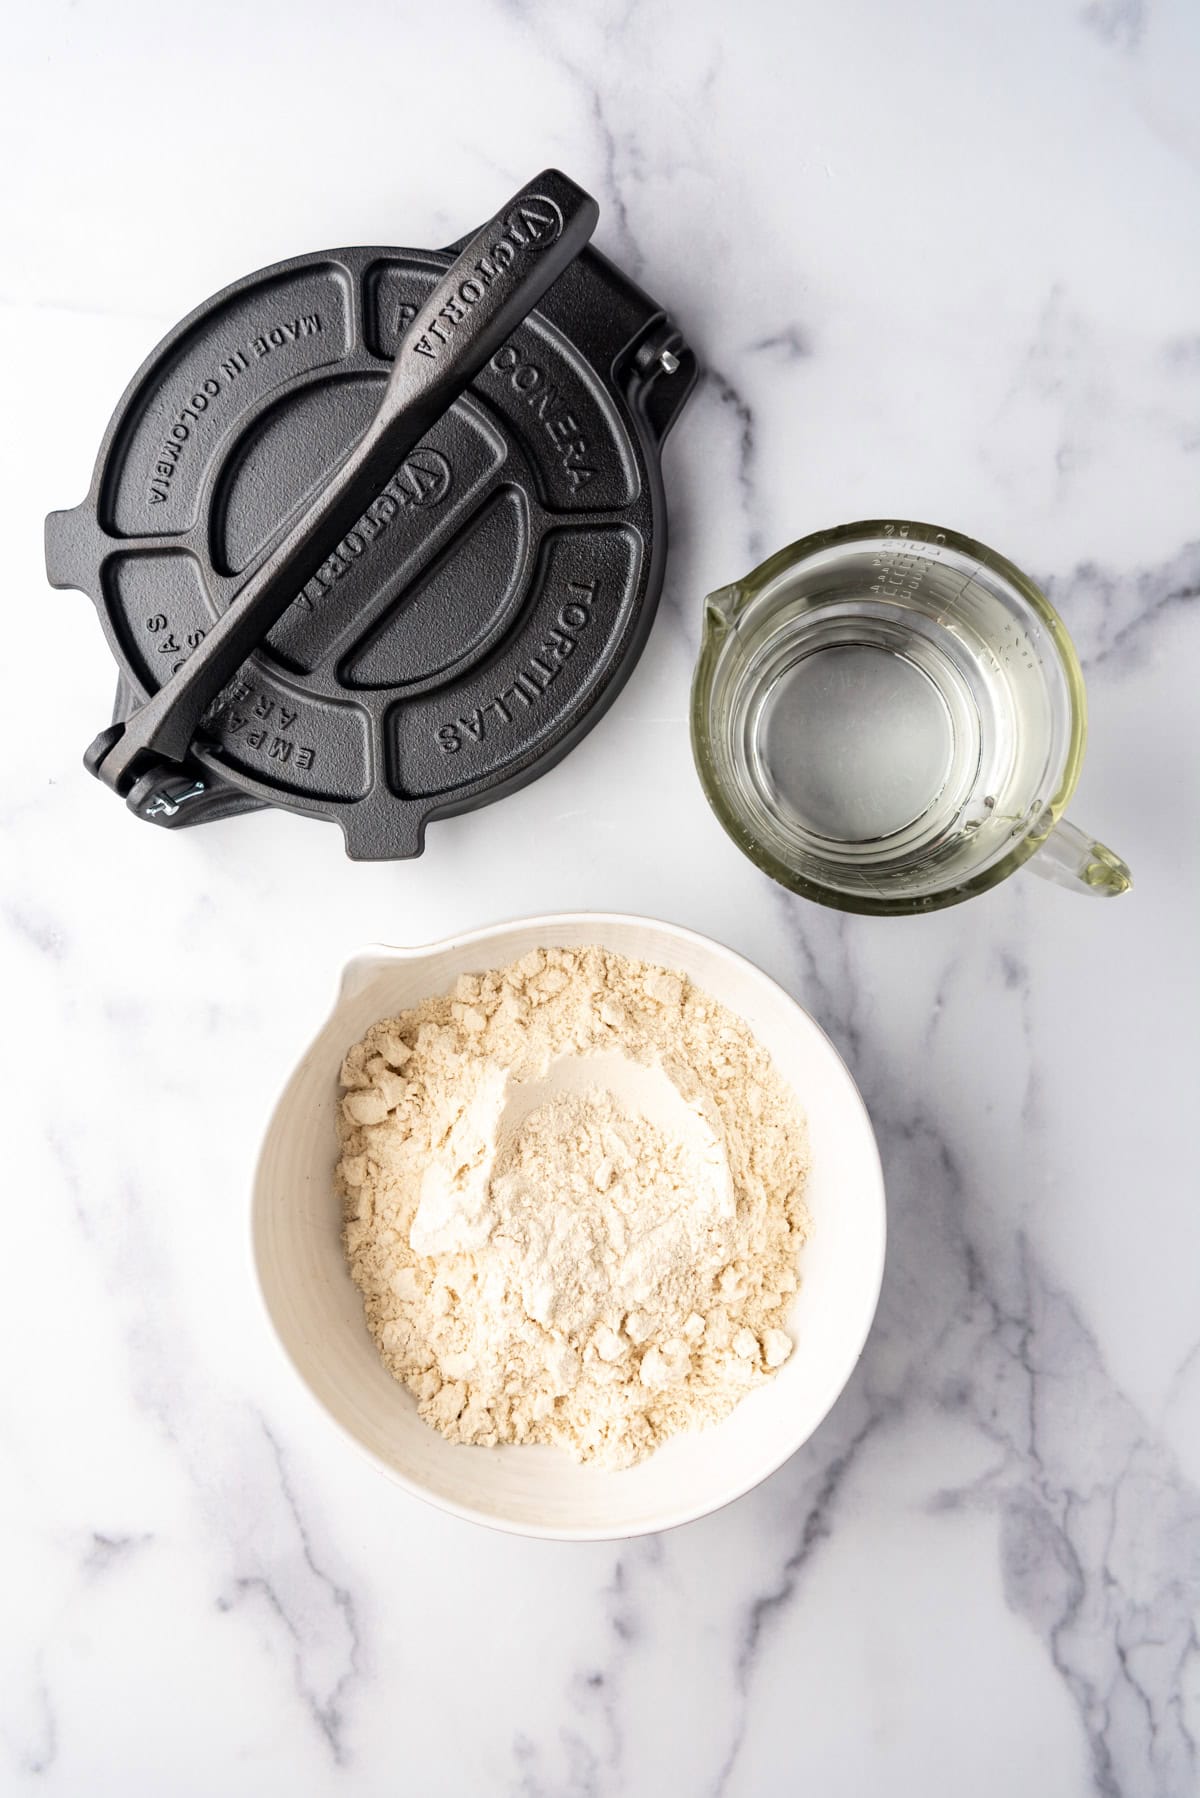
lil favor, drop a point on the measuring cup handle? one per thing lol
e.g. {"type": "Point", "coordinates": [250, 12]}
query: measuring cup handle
{"type": "Point", "coordinates": [1070, 858]}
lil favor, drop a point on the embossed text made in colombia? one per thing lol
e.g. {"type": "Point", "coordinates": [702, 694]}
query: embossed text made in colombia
{"type": "Point", "coordinates": [532, 225]}
{"type": "Point", "coordinates": [179, 431]}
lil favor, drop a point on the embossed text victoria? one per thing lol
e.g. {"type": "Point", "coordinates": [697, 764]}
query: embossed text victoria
{"type": "Point", "coordinates": [533, 225]}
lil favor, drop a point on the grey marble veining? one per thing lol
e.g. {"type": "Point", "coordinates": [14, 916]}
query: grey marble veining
{"type": "Point", "coordinates": [936, 262]}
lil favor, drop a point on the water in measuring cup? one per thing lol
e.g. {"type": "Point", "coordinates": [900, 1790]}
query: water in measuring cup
{"type": "Point", "coordinates": [885, 726]}
{"type": "Point", "coordinates": [854, 742]}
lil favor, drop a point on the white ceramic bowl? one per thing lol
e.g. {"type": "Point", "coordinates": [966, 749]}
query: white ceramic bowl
{"type": "Point", "coordinates": [317, 1311]}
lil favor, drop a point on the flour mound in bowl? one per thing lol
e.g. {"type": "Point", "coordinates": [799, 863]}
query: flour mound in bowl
{"type": "Point", "coordinates": [574, 1202]}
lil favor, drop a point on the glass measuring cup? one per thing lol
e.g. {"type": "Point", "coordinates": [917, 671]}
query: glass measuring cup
{"type": "Point", "coordinates": [889, 717]}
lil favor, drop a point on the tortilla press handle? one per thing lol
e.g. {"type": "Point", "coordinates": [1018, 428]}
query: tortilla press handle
{"type": "Point", "coordinates": [500, 275]}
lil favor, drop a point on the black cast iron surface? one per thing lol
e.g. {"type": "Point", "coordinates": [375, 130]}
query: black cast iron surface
{"type": "Point", "coordinates": [474, 620]}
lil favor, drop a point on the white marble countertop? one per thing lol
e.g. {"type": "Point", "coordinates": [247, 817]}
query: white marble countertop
{"type": "Point", "coordinates": [939, 261]}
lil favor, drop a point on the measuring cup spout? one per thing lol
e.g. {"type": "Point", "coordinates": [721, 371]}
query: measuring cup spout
{"type": "Point", "coordinates": [720, 610]}
{"type": "Point", "coordinates": [1071, 858]}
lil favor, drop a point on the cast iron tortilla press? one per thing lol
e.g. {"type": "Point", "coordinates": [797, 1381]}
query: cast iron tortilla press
{"type": "Point", "coordinates": [378, 534]}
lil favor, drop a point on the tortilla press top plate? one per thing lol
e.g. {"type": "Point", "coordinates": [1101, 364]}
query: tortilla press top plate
{"type": "Point", "coordinates": [480, 615]}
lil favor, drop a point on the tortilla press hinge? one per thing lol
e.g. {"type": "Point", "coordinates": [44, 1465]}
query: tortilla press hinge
{"type": "Point", "coordinates": [168, 794]}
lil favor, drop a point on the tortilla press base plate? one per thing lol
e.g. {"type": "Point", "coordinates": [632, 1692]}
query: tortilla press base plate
{"type": "Point", "coordinates": [486, 608]}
